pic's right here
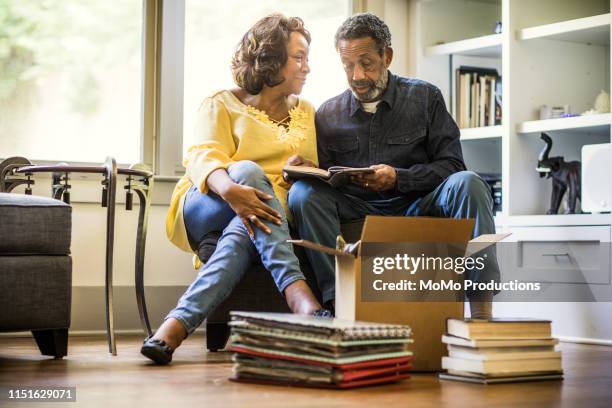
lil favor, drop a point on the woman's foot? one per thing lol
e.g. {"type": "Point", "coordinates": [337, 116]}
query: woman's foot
{"type": "Point", "coordinates": [166, 339]}
{"type": "Point", "coordinates": [172, 332]}
{"type": "Point", "coordinates": [300, 298]}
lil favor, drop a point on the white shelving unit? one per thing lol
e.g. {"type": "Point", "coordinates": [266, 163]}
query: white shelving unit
{"type": "Point", "coordinates": [486, 132]}
{"type": "Point", "coordinates": [488, 46]}
{"type": "Point", "coordinates": [559, 220]}
{"type": "Point", "coordinates": [599, 124]}
{"type": "Point", "coordinates": [587, 30]}
{"type": "Point", "coordinates": [551, 53]}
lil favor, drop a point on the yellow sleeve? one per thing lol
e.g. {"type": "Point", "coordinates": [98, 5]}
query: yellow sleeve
{"type": "Point", "coordinates": [314, 156]}
{"type": "Point", "coordinates": [214, 146]}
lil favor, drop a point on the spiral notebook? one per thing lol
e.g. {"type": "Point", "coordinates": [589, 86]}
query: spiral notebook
{"type": "Point", "coordinates": [283, 348]}
{"type": "Point", "coordinates": [324, 328]}
{"type": "Point", "coordinates": [254, 369]}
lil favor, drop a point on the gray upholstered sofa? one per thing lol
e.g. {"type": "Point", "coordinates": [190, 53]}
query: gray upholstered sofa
{"type": "Point", "coordinates": [257, 292]}
{"type": "Point", "coordinates": [36, 269]}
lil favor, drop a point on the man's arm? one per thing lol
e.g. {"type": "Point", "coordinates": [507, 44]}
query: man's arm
{"type": "Point", "coordinates": [443, 149]}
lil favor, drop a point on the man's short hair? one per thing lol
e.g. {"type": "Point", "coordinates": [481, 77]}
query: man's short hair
{"type": "Point", "coordinates": [262, 52]}
{"type": "Point", "coordinates": [365, 25]}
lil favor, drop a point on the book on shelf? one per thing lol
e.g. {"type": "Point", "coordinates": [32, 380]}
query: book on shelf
{"type": "Point", "coordinates": [335, 175]}
{"type": "Point", "coordinates": [289, 349]}
{"type": "Point", "coordinates": [494, 180]}
{"type": "Point", "coordinates": [477, 97]}
{"type": "Point", "coordinates": [500, 350]}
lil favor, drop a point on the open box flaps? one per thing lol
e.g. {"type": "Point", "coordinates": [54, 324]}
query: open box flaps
{"type": "Point", "coordinates": [427, 318]}
{"type": "Point", "coordinates": [390, 229]}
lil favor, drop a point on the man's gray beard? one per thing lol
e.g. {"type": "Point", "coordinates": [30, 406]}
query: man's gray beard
{"type": "Point", "coordinates": [374, 94]}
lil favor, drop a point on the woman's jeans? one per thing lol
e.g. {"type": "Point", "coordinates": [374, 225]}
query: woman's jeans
{"type": "Point", "coordinates": [236, 250]}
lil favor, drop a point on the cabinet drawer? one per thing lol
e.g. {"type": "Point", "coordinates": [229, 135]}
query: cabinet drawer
{"type": "Point", "coordinates": [558, 255]}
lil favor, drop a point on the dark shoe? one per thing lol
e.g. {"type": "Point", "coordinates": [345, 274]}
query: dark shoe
{"type": "Point", "coordinates": [323, 313]}
{"type": "Point", "coordinates": [208, 245]}
{"type": "Point", "coordinates": [157, 351]}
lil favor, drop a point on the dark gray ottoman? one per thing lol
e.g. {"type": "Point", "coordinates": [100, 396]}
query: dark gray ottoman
{"type": "Point", "coordinates": [36, 269]}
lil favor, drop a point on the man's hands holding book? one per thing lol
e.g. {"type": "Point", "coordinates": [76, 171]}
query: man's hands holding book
{"type": "Point", "coordinates": [378, 177]}
{"type": "Point", "coordinates": [384, 178]}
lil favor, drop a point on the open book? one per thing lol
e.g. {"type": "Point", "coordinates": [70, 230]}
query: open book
{"type": "Point", "coordinates": [335, 175]}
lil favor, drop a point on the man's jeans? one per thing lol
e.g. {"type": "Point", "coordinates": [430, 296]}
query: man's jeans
{"type": "Point", "coordinates": [236, 250]}
{"type": "Point", "coordinates": [318, 210]}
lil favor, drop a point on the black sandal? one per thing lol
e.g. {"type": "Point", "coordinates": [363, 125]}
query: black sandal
{"type": "Point", "coordinates": [157, 350]}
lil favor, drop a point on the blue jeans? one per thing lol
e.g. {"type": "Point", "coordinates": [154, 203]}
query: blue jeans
{"type": "Point", "coordinates": [318, 210]}
{"type": "Point", "coordinates": [236, 250]}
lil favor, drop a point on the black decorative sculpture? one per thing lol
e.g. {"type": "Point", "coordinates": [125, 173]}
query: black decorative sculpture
{"type": "Point", "coordinates": [564, 175]}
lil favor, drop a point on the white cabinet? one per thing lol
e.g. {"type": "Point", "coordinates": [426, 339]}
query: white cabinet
{"type": "Point", "coordinates": [572, 255]}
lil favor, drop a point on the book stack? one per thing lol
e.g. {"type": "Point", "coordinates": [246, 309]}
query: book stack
{"type": "Point", "coordinates": [477, 98]}
{"type": "Point", "coordinates": [500, 350]}
{"type": "Point", "coordinates": [288, 349]}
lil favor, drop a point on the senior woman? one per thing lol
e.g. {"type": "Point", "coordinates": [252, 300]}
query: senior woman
{"type": "Point", "coordinates": [234, 182]}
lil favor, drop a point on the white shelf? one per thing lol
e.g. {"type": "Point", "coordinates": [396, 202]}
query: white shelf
{"type": "Point", "coordinates": [599, 124]}
{"type": "Point", "coordinates": [487, 46]}
{"type": "Point", "coordinates": [485, 132]}
{"type": "Point", "coordinates": [588, 30]}
{"type": "Point", "coordinates": [556, 220]}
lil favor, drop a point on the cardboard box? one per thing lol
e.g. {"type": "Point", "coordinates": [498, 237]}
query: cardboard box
{"type": "Point", "coordinates": [427, 319]}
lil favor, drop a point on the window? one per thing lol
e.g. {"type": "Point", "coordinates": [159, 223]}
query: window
{"type": "Point", "coordinates": [213, 28]}
{"type": "Point", "coordinates": [70, 79]}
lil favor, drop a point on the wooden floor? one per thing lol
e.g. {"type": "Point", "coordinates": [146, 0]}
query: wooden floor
{"type": "Point", "coordinates": [199, 379]}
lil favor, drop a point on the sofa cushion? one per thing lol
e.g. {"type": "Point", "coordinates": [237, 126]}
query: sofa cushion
{"type": "Point", "coordinates": [31, 225]}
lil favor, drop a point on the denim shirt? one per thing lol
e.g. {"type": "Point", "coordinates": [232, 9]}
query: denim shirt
{"type": "Point", "coordinates": [411, 131]}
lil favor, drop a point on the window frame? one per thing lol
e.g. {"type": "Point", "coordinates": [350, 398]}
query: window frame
{"type": "Point", "coordinates": [169, 143]}
{"type": "Point", "coordinates": [163, 51]}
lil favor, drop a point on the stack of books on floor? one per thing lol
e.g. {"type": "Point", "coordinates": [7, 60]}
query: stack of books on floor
{"type": "Point", "coordinates": [289, 349]}
{"type": "Point", "coordinates": [500, 350]}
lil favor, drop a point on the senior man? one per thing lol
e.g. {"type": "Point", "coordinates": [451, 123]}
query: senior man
{"type": "Point", "coordinates": [401, 128]}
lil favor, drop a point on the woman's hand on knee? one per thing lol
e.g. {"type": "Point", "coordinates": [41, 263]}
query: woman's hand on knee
{"type": "Point", "coordinates": [247, 202]}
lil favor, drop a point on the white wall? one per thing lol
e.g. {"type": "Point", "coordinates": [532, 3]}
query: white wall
{"type": "Point", "coordinates": [395, 14]}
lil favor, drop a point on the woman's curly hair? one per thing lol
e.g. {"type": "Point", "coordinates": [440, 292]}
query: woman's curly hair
{"type": "Point", "coordinates": [262, 52]}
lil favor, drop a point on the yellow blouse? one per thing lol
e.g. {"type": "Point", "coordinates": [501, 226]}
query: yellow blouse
{"type": "Point", "coordinates": [228, 131]}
